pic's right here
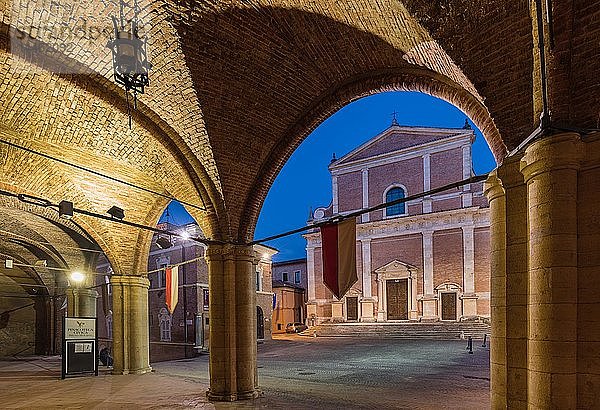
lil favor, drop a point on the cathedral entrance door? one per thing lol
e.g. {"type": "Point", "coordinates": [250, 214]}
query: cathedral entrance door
{"type": "Point", "coordinates": [397, 299]}
{"type": "Point", "coordinates": [448, 306]}
{"type": "Point", "coordinates": [352, 308]}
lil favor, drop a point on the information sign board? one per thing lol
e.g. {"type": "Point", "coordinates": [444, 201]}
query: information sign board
{"type": "Point", "coordinates": [80, 341]}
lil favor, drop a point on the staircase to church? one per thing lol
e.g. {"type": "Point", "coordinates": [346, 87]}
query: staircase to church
{"type": "Point", "coordinates": [407, 330]}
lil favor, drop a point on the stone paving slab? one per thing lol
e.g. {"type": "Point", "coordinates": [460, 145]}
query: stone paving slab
{"type": "Point", "coordinates": [295, 373]}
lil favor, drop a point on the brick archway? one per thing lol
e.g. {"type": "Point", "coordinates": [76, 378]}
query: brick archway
{"type": "Point", "coordinates": [423, 81]}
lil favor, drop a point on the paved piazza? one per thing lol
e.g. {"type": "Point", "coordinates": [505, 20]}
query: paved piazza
{"type": "Point", "coordinates": [295, 372]}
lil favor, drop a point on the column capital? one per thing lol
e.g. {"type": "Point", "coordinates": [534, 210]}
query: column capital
{"type": "Point", "coordinates": [509, 171]}
{"type": "Point", "coordinates": [492, 188]}
{"type": "Point", "coordinates": [129, 280]}
{"type": "Point", "coordinates": [229, 251]}
{"type": "Point", "coordinates": [561, 151]}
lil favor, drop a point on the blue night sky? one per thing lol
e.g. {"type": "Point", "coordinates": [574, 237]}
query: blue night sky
{"type": "Point", "coordinates": [305, 183]}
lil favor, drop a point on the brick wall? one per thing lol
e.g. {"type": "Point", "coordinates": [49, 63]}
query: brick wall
{"type": "Point", "coordinates": [350, 191]}
{"type": "Point", "coordinates": [446, 167]}
{"type": "Point", "coordinates": [447, 257]}
{"type": "Point", "coordinates": [408, 173]}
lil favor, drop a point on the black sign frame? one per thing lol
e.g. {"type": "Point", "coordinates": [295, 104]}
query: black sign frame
{"type": "Point", "coordinates": [83, 363]}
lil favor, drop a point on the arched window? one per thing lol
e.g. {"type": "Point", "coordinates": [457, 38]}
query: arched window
{"type": "Point", "coordinates": [164, 320]}
{"type": "Point", "coordinates": [391, 195]}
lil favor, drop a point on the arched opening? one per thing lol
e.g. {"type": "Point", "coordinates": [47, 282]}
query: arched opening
{"type": "Point", "coordinates": [423, 270]}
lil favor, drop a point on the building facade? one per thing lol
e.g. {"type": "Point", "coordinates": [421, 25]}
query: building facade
{"type": "Point", "coordinates": [289, 288]}
{"type": "Point", "coordinates": [184, 333]}
{"type": "Point", "coordinates": [425, 259]}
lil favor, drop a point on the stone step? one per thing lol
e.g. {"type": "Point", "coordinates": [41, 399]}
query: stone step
{"type": "Point", "coordinates": [441, 331]}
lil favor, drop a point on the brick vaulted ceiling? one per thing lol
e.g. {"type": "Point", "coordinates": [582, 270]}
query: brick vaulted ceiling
{"type": "Point", "coordinates": [237, 85]}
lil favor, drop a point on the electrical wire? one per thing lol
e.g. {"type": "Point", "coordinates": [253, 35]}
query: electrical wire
{"type": "Point", "coordinates": [91, 171]}
{"type": "Point", "coordinates": [33, 241]}
{"type": "Point", "coordinates": [339, 218]}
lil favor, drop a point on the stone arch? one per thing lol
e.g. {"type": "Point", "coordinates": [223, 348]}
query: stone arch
{"type": "Point", "coordinates": [419, 80]}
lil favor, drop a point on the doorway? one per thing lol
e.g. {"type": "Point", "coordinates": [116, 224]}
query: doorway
{"type": "Point", "coordinates": [351, 308]}
{"type": "Point", "coordinates": [397, 299]}
{"type": "Point", "coordinates": [448, 305]}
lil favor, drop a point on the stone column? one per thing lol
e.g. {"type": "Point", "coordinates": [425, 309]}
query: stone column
{"type": "Point", "coordinates": [130, 324]}
{"type": "Point", "coordinates": [367, 303]}
{"type": "Point", "coordinates": [550, 168]}
{"type": "Point", "coordinates": [81, 302]}
{"type": "Point", "coordinates": [365, 194]}
{"type": "Point", "coordinates": [515, 193]}
{"type": "Point", "coordinates": [426, 182]}
{"type": "Point", "coordinates": [469, 298]}
{"type": "Point", "coordinates": [232, 313]}
{"type": "Point", "coordinates": [429, 309]}
{"type": "Point", "coordinates": [495, 194]}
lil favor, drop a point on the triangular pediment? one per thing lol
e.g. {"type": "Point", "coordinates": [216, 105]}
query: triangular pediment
{"type": "Point", "coordinates": [397, 138]}
{"type": "Point", "coordinates": [396, 266]}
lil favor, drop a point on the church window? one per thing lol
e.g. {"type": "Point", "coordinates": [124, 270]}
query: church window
{"type": "Point", "coordinates": [392, 195]}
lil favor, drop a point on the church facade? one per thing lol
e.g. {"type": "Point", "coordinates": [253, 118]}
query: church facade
{"type": "Point", "coordinates": [423, 260]}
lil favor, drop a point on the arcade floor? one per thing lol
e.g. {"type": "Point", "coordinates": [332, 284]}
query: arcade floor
{"type": "Point", "coordinates": [296, 372]}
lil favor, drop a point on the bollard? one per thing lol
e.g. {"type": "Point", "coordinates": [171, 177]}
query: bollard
{"type": "Point", "coordinates": [470, 345]}
{"type": "Point", "coordinates": [484, 339]}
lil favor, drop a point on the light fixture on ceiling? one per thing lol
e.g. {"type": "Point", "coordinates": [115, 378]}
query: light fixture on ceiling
{"type": "Point", "coordinates": [130, 59]}
{"type": "Point", "coordinates": [116, 212]}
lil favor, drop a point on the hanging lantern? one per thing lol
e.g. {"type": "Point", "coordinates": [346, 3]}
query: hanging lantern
{"type": "Point", "coordinates": [130, 60]}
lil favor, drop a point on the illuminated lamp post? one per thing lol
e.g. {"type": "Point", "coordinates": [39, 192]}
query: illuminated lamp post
{"type": "Point", "coordinates": [130, 59]}
{"type": "Point", "coordinates": [81, 301]}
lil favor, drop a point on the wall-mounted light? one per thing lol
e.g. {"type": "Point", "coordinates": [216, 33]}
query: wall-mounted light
{"type": "Point", "coordinates": [77, 277]}
{"type": "Point", "coordinates": [116, 212]}
{"type": "Point", "coordinates": [65, 209]}
{"type": "Point", "coordinates": [163, 243]}
{"type": "Point", "coordinates": [8, 263]}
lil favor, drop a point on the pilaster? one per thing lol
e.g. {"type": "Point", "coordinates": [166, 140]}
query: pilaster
{"type": "Point", "coordinates": [365, 194]}
{"type": "Point", "coordinates": [428, 299]}
{"type": "Point", "coordinates": [426, 182]}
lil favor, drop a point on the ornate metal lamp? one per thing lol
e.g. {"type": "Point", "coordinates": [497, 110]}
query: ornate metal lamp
{"type": "Point", "coordinates": [130, 60]}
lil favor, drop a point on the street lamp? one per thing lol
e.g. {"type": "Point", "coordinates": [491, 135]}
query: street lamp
{"type": "Point", "coordinates": [130, 59]}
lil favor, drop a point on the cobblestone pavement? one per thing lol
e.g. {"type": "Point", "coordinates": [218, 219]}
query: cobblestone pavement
{"type": "Point", "coordinates": [295, 373]}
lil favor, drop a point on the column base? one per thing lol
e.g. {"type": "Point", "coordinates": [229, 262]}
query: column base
{"type": "Point", "coordinates": [381, 316]}
{"type": "Point", "coordinates": [337, 312]}
{"type": "Point", "coordinates": [252, 394]}
{"type": "Point", "coordinates": [469, 306]}
{"type": "Point", "coordinates": [138, 371]}
{"type": "Point", "coordinates": [429, 308]}
{"type": "Point", "coordinates": [367, 307]}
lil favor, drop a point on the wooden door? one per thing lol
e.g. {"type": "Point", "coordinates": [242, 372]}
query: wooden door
{"type": "Point", "coordinates": [352, 308]}
{"type": "Point", "coordinates": [449, 306]}
{"type": "Point", "coordinates": [397, 299]}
